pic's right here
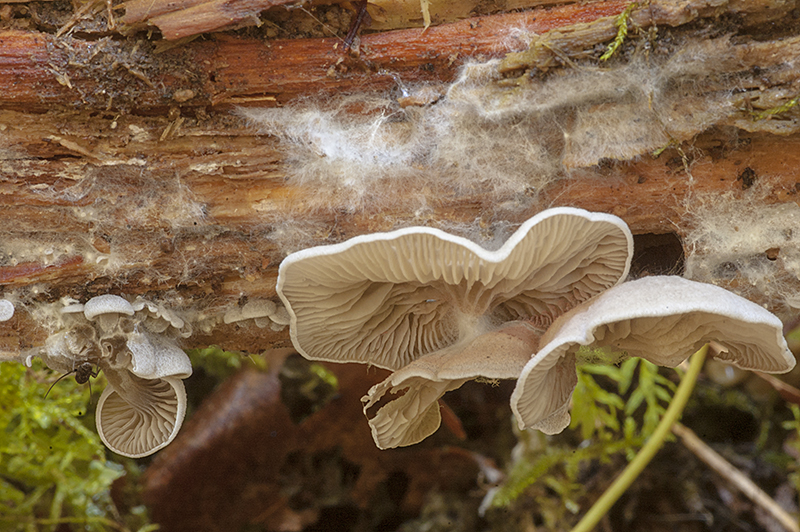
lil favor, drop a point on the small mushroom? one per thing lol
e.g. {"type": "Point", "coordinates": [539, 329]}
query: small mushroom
{"type": "Point", "coordinates": [663, 319]}
{"type": "Point", "coordinates": [263, 312]}
{"type": "Point", "coordinates": [420, 294]}
{"type": "Point", "coordinates": [158, 319]}
{"type": "Point", "coordinates": [143, 407]}
{"type": "Point", "coordinates": [106, 310]}
{"type": "Point", "coordinates": [253, 309]}
{"type": "Point", "coordinates": [6, 310]}
{"type": "Point", "coordinates": [137, 417]}
{"type": "Point", "coordinates": [280, 319]}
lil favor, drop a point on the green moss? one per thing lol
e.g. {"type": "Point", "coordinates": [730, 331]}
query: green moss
{"type": "Point", "coordinates": [221, 364]}
{"type": "Point", "coordinates": [622, 31]}
{"type": "Point", "coordinates": [53, 468]}
{"type": "Point", "coordinates": [614, 409]}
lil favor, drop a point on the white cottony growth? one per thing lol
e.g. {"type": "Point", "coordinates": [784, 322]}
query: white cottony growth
{"type": "Point", "coordinates": [753, 246]}
{"type": "Point", "coordinates": [487, 135]}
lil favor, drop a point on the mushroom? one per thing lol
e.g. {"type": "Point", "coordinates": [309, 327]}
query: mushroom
{"type": "Point", "coordinates": [663, 319]}
{"type": "Point", "coordinates": [107, 309]}
{"type": "Point", "coordinates": [420, 294]}
{"type": "Point", "coordinates": [137, 417]}
{"type": "Point", "coordinates": [142, 408]}
{"type": "Point", "coordinates": [263, 312]}
{"type": "Point", "coordinates": [158, 318]}
{"type": "Point", "coordinates": [6, 310]}
{"type": "Point", "coordinates": [414, 416]}
{"type": "Point", "coordinates": [253, 309]}
{"type": "Point", "coordinates": [278, 319]}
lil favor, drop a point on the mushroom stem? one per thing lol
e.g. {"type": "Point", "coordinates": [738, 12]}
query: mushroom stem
{"type": "Point", "coordinates": [649, 450]}
{"type": "Point", "coordinates": [126, 385]}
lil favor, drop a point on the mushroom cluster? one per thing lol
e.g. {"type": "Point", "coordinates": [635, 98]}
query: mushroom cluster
{"type": "Point", "coordinates": [143, 406]}
{"type": "Point", "coordinates": [263, 312]}
{"type": "Point", "coordinates": [439, 310]}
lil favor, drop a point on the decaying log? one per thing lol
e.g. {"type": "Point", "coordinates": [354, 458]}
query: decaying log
{"type": "Point", "coordinates": [123, 168]}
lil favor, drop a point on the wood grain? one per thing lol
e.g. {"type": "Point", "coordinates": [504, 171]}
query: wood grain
{"type": "Point", "coordinates": [123, 170]}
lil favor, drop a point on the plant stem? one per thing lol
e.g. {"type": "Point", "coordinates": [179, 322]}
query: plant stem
{"type": "Point", "coordinates": [649, 450]}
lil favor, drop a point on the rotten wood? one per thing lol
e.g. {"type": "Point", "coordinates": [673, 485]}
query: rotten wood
{"type": "Point", "coordinates": [39, 72]}
{"type": "Point", "coordinates": [123, 170]}
{"type": "Point", "coordinates": [188, 18]}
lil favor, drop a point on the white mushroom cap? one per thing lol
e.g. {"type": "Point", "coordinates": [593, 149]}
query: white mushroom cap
{"type": "Point", "coordinates": [6, 309]}
{"type": "Point", "coordinates": [280, 317]}
{"type": "Point", "coordinates": [107, 304]}
{"type": "Point", "coordinates": [159, 318]}
{"type": "Point", "coordinates": [413, 416]}
{"type": "Point", "coordinates": [143, 420]}
{"type": "Point", "coordinates": [663, 319]}
{"type": "Point", "coordinates": [107, 310]}
{"type": "Point", "coordinates": [155, 357]}
{"type": "Point", "coordinates": [388, 299]}
{"type": "Point", "coordinates": [140, 303]}
{"type": "Point", "coordinates": [73, 308]}
{"type": "Point", "coordinates": [257, 308]}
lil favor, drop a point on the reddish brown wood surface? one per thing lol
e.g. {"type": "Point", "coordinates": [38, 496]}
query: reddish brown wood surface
{"type": "Point", "coordinates": [122, 169]}
{"type": "Point", "coordinates": [40, 72]}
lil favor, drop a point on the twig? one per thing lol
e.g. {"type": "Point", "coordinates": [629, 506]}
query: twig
{"type": "Point", "coordinates": [646, 454]}
{"type": "Point", "coordinates": [724, 468]}
{"type": "Point", "coordinates": [788, 393]}
{"type": "Point", "coordinates": [361, 18]}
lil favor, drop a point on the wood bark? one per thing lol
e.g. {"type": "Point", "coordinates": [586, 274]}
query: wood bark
{"type": "Point", "coordinates": [123, 169]}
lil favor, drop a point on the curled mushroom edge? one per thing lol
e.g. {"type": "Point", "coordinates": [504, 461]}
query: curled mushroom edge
{"type": "Point", "coordinates": [663, 319]}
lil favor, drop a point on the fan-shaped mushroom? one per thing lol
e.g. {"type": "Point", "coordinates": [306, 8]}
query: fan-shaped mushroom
{"type": "Point", "coordinates": [663, 319]}
{"type": "Point", "coordinates": [136, 417]}
{"type": "Point", "coordinates": [390, 299]}
{"type": "Point", "coordinates": [143, 407]}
